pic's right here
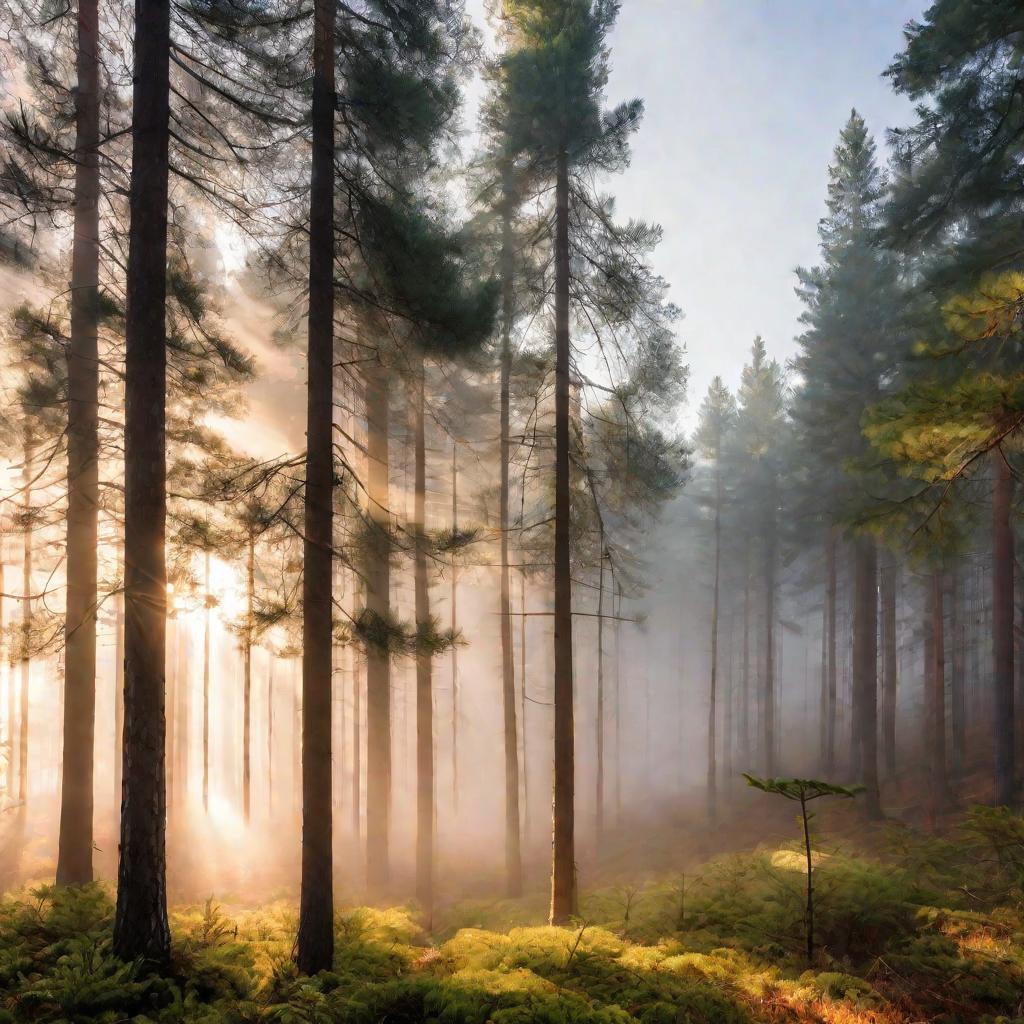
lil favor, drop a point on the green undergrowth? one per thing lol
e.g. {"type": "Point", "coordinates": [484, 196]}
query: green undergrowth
{"type": "Point", "coordinates": [910, 928]}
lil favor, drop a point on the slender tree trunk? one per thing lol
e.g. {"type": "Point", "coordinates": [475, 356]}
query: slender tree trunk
{"type": "Point", "coordinates": [315, 946]}
{"type": "Point", "coordinates": [890, 672]}
{"type": "Point", "coordinates": [712, 777]}
{"type": "Point", "coordinates": [865, 669]}
{"type": "Point", "coordinates": [140, 923]}
{"type": "Point", "coordinates": [1002, 631]}
{"type": "Point", "coordinates": [26, 624]}
{"type": "Point", "coordinates": [270, 732]}
{"type": "Point", "coordinates": [768, 720]}
{"type": "Point", "coordinates": [600, 696]}
{"type": "Point", "coordinates": [378, 603]}
{"type": "Point", "coordinates": [424, 675]}
{"type": "Point", "coordinates": [207, 625]}
{"type": "Point", "coordinates": [617, 712]}
{"type": "Point", "coordinates": [936, 700]}
{"type": "Point", "coordinates": [745, 680]}
{"type": "Point", "coordinates": [173, 632]}
{"type": "Point", "coordinates": [74, 857]}
{"type": "Point", "coordinates": [522, 702]}
{"type": "Point", "coordinates": [454, 626]}
{"type": "Point", "coordinates": [247, 639]}
{"type": "Point", "coordinates": [957, 703]}
{"type": "Point", "coordinates": [513, 855]}
{"type": "Point", "coordinates": [563, 870]}
{"type": "Point", "coordinates": [118, 684]}
{"type": "Point", "coordinates": [357, 713]}
{"type": "Point", "coordinates": [831, 667]}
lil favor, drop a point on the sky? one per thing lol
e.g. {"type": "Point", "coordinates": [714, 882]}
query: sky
{"type": "Point", "coordinates": [744, 102]}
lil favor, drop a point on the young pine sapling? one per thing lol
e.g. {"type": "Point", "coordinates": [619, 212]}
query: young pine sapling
{"type": "Point", "coordinates": [804, 791]}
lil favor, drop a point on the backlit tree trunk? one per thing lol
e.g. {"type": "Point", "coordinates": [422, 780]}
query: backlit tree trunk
{"type": "Point", "coordinates": [74, 857]}
{"type": "Point", "coordinates": [1002, 630]}
{"type": "Point", "coordinates": [890, 668]}
{"type": "Point", "coordinates": [563, 868]}
{"type": "Point", "coordinates": [140, 924]}
{"type": "Point", "coordinates": [315, 944]}
{"type": "Point", "coordinates": [865, 668]}
{"type": "Point", "coordinates": [513, 857]}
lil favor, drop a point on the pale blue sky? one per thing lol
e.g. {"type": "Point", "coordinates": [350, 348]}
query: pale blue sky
{"type": "Point", "coordinates": [744, 101]}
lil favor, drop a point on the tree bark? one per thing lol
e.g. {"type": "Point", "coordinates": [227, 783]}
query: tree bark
{"type": "Point", "coordinates": [424, 673]}
{"type": "Point", "coordinates": [563, 868]}
{"type": "Point", "coordinates": [247, 641]}
{"type": "Point", "coordinates": [140, 923]}
{"type": "Point", "coordinates": [712, 776]}
{"type": "Point", "coordinates": [454, 627]}
{"type": "Point", "coordinates": [26, 625]}
{"type": "Point", "coordinates": [513, 856]}
{"type": "Point", "coordinates": [74, 856]}
{"type": "Point", "coordinates": [768, 720]}
{"type": "Point", "coordinates": [865, 667]}
{"type": "Point", "coordinates": [1002, 631]}
{"type": "Point", "coordinates": [599, 804]}
{"type": "Point", "coordinates": [207, 625]}
{"type": "Point", "coordinates": [831, 543]}
{"type": "Point", "coordinates": [957, 702]}
{"type": "Point", "coordinates": [315, 945]}
{"type": "Point", "coordinates": [378, 603]}
{"type": "Point", "coordinates": [936, 700]}
{"type": "Point", "coordinates": [890, 668]}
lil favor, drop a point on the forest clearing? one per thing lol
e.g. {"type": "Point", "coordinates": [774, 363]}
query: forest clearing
{"type": "Point", "coordinates": [511, 510]}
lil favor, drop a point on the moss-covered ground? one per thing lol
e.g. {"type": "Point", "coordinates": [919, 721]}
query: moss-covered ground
{"type": "Point", "coordinates": [913, 928]}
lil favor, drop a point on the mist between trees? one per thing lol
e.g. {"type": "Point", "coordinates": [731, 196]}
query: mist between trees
{"type": "Point", "coordinates": [351, 545]}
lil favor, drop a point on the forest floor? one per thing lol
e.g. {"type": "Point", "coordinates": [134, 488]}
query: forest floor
{"type": "Point", "coordinates": [909, 927]}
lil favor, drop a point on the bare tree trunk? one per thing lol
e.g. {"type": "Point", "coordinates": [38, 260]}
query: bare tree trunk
{"type": "Point", "coordinates": [957, 703]}
{"type": "Point", "coordinates": [936, 700]}
{"type": "Point", "coordinates": [865, 669]}
{"type": "Point", "coordinates": [74, 857]}
{"type": "Point", "coordinates": [315, 944]}
{"type": "Point", "coordinates": [270, 732]}
{"type": "Point", "coordinates": [26, 624]}
{"type": "Point", "coordinates": [454, 626]}
{"type": "Point", "coordinates": [522, 702]}
{"type": "Point", "coordinates": [745, 687]}
{"type": "Point", "coordinates": [1002, 631]}
{"type": "Point", "coordinates": [424, 668]}
{"type": "Point", "coordinates": [513, 855]}
{"type": "Point", "coordinates": [712, 777]}
{"type": "Point", "coordinates": [207, 624]}
{"type": "Point", "coordinates": [563, 870]}
{"type": "Point", "coordinates": [118, 682]}
{"type": "Point", "coordinates": [768, 720]}
{"type": "Point", "coordinates": [890, 672]}
{"type": "Point", "coordinates": [140, 923]}
{"type": "Point", "coordinates": [600, 696]}
{"type": "Point", "coordinates": [831, 665]}
{"type": "Point", "coordinates": [247, 640]}
{"type": "Point", "coordinates": [378, 603]}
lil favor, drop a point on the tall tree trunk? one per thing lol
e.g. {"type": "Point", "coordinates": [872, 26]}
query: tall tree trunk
{"type": "Point", "coordinates": [270, 731]}
{"type": "Point", "coordinates": [118, 682]}
{"type": "Point", "coordinates": [454, 626]}
{"type": "Point", "coordinates": [140, 923]}
{"type": "Point", "coordinates": [563, 868]}
{"type": "Point", "coordinates": [424, 674]}
{"type": "Point", "coordinates": [171, 669]}
{"type": "Point", "coordinates": [936, 700]}
{"type": "Point", "coordinates": [26, 624]}
{"type": "Point", "coordinates": [357, 713]}
{"type": "Point", "coordinates": [865, 668]}
{"type": "Point", "coordinates": [599, 805]}
{"type": "Point", "coordinates": [74, 857]}
{"type": "Point", "coordinates": [247, 641]}
{"type": "Point", "coordinates": [831, 543]}
{"type": "Point", "coordinates": [745, 682]}
{"type": "Point", "coordinates": [315, 946]}
{"type": "Point", "coordinates": [513, 856]}
{"type": "Point", "coordinates": [207, 625]}
{"type": "Point", "coordinates": [378, 604]}
{"type": "Point", "coordinates": [522, 702]}
{"type": "Point", "coordinates": [768, 719]}
{"type": "Point", "coordinates": [1002, 631]}
{"type": "Point", "coordinates": [890, 668]}
{"type": "Point", "coordinates": [712, 778]}
{"type": "Point", "coordinates": [957, 702]}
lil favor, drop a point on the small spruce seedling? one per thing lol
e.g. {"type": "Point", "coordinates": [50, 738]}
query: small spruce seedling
{"type": "Point", "coordinates": [804, 791]}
